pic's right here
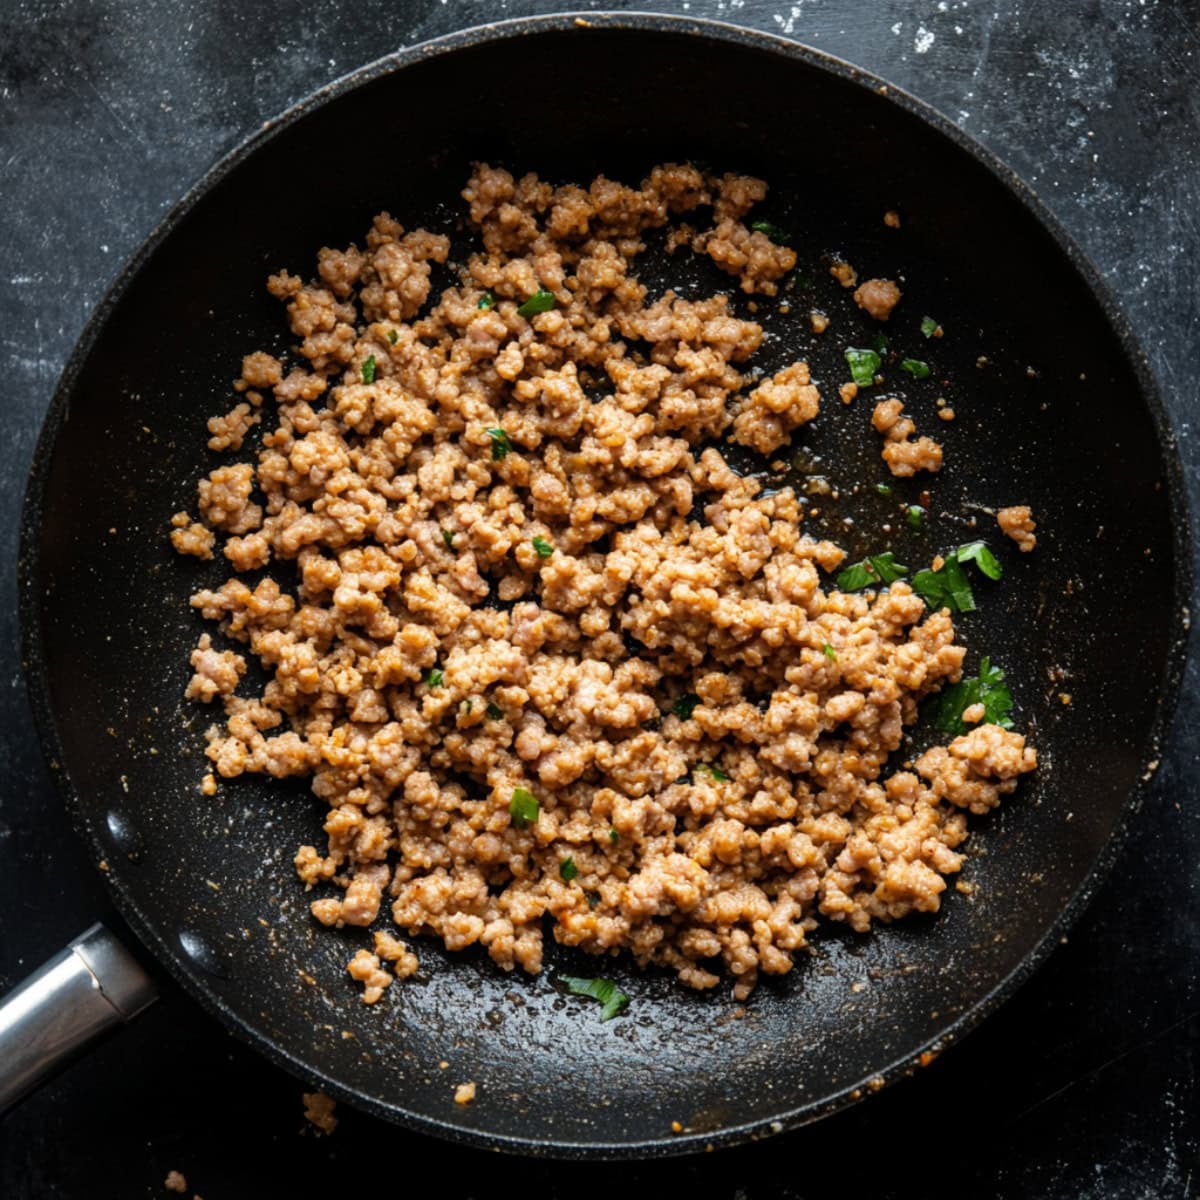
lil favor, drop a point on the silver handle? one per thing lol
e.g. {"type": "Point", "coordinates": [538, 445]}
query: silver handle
{"type": "Point", "coordinates": [90, 988]}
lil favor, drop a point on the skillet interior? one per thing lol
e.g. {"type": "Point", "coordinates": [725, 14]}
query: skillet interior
{"type": "Point", "coordinates": [209, 883]}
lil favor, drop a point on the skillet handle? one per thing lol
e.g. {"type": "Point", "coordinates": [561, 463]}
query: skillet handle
{"type": "Point", "coordinates": [88, 989]}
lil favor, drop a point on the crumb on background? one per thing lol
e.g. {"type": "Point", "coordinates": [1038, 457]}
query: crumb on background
{"type": "Point", "coordinates": [318, 1111]}
{"type": "Point", "coordinates": [464, 1093]}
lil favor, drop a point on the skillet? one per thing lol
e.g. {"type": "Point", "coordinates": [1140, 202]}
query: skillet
{"type": "Point", "coordinates": [1062, 414]}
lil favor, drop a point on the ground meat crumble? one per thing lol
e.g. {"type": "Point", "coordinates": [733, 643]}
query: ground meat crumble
{"type": "Point", "coordinates": [1017, 523]}
{"type": "Point", "coordinates": [522, 565]}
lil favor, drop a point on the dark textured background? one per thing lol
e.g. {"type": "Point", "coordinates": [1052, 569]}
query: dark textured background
{"type": "Point", "coordinates": [1085, 1084]}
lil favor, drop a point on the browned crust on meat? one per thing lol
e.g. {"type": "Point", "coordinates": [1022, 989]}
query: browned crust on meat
{"type": "Point", "coordinates": [1017, 523]}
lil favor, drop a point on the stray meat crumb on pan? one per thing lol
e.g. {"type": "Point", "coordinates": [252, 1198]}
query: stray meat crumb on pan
{"type": "Point", "coordinates": [1017, 523]}
{"type": "Point", "coordinates": [553, 665]}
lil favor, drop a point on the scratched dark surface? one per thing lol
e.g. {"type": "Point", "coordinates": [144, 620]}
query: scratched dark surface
{"type": "Point", "coordinates": [1084, 1084]}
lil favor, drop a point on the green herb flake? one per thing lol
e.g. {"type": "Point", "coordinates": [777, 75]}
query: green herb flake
{"type": "Point", "coordinates": [884, 489]}
{"type": "Point", "coordinates": [982, 557]}
{"type": "Point", "coordinates": [829, 652]}
{"type": "Point", "coordinates": [714, 773]}
{"type": "Point", "coordinates": [523, 808]}
{"type": "Point", "coordinates": [863, 365]}
{"type": "Point", "coordinates": [875, 570]}
{"type": "Point", "coordinates": [916, 368]}
{"type": "Point", "coordinates": [929, 326]}
{"type": "Point", "coordinates": [467, 704]}
{"type": "Point", "coordinates": [947, 587]}
{"type": "Point", "coordinates": [487, 300]}
{"type": "Point", "coordinates": [368, 369]}
{"type": "Point", "coordinates": [393, 336]}
{"type": "Point", "coordinates": [567, 869]}
{"type": "Point", "coordinates": [544, 548]}
{"type": "Point", "coordinates": [541, 301]}
{"type": "Point", "coordinates": [448, 538]}
{"type": "Point", "coordinates": [500, 444]}
{"type": "Point", "coordinates": [879, 344]}
{"type": "Point", "coordinates": [605, 991]}
{"type": "Point", "coordinates": [914, 514]}
{"type": "Point", "coordinates": [593, 898]}
{"type": "Point", "coordinates": [685, 705]}
{"type": "Point", "coordinates": [614, 836]}
{"type": "Point", "coordinates": [987, 688]}
{"type": "Point", "coordinates": [780, 237]}
{"type": "Point", "coordinates": [435, 677]}
{"type": "Point", "coordinates": [494, 711]}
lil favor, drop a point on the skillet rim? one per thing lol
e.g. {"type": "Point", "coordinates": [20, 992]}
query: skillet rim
{"type": "Point", "coordinates": [189, 976]}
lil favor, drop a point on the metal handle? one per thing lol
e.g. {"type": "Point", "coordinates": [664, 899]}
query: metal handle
{"type": "Point", "coordinates": [73, 1000]}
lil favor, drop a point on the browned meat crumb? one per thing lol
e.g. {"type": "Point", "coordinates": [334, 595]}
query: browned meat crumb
{"type": "Point", "coordinates": [750, 255]}
{"type": "Point", "coordinates": [877, 297]}
{"type": "Point", "coordinates": [318, 1111]}
{"type": "Point", "coordinates": [464, 1093]}
{"type": "Point", "coordinates": [228, 432]}
{"type": "Point", "coordinates": [891, 219]}
{"type": "Point", "coordinates": [775, 408]}
{"type": "Point", "coordinates": [364, 967]}
{"type": "Point", "coordinates": [818, 321]}
{"type": "Point", "coordinates": [208, 785]}
{"type": "Point", "coordinates": [844, 273]}
{"type": "Point", "coordinates": [903, 456]}
{"type": "Point", "coordinates": [217, 672]}
{"type": "Point", "coordinates": [190, 537]}
{"type": "Point", "coordinates": [646, 675]}
{"type": "Point", "coordinates": [175, 1182]}
{"type": "Point", "coordinates": [848, 391]}
{"type": "Point", "coordinates": [1017, 523]}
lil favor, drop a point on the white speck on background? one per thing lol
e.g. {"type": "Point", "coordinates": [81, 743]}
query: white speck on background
{"type": "Point", "coordinates": [923, 40]}
{"type": "Point", "coordinates": [789, 25]}
{"type": "Point", "coordinates": [899, 25]}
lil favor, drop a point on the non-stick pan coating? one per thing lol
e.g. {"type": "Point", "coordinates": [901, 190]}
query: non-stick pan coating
{"type": "Point", "coordinates": [1060, 415]}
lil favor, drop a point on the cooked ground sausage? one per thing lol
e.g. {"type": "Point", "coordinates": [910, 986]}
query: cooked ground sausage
{"type": "Point", "coordinates": [551, 664]}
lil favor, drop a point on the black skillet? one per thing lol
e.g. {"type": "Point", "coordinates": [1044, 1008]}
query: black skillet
{"type": "Point", "coordinates": [1054, 407]}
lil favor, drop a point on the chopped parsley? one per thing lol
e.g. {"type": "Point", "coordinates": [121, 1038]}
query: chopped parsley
{"type": "Point", "coordinates": [875, 569]}
{"type": "Point", "coordinates": [494, 710]}
{"type": "Point", "coordinates": [500, 444]}
{"type": "Point", "coordinates": [929, 326]}
{"type": "Point", "coordinates": [435, 677]}
{"type": "Point", "coordinates": [884, 489]}
{"type": "Point", "coordinates": [982, 557]}
{"type": "Point", "coordinates": [603, 990]}
{"type": "Point", "coordinates": [987, 688]}
{"type": "Point", "coordinates": [567, 869]}
{"type": "Point", "coordinates": [948, 586]}
{"type": "Point", "coordinates": [543, 547]}
{"type": "Point", "coordinates": [448, 538]}
{"type": "Point", "coordinates": [879, 344]}
{"type": "Point", "coordinates": [593, 898]}
{"type": "Point", "coordinates": [685, 705]}
{"type": "Point", "coordinates": [863, 365]}
{"type": "Point", "coordinates": [714, 773]}
{"type": "Point", "coordinates": [368, 369]}
{"type": "Point", "coordinates": [916, 368]}
{"type": "Point", "coordinates": [614, 836]}
{"type": "Point", "coordinates": [914, 514]}
{"type": "Point", "coordinates": [829, 652]}
{"type": "Point", "coordinates": [541, 301]}
{"type": "Point", "coordinates": [393, 336]}
{"type": "Point", "coordinates": [487, 300]}
{"type": "Point", "coordinates": [780, 237]}
{"type": "Point", "coordinates": [523, 808]}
